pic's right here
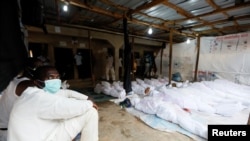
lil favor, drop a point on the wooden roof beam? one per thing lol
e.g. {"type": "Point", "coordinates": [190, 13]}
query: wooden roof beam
{"type": "Point", "coordinates": [243, 5]}
{"type": "Point", "coordinates": [118, 16]}
{"type": "Point", "coordinates": [247, 26]}
{"type": "Point", "coordinates": [220, 21]}
{"type": "Point", "coordinates": [146, 6]}
{"type": "Point", "coordinates": [213, 4]}
{"type": "Point", "coordinates": [182, 12]}
{"type": "Point", "coordinates": [80, 4]}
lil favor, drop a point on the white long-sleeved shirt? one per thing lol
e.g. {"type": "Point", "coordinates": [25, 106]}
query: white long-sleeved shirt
{"type": "Point", "coordinates": [71, 94]}
{"type": "Point", "coordinates": [7, 100]}
{"type": "Point", "coordinates": [37, 114]}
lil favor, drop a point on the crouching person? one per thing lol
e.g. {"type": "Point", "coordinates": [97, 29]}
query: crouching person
{"type": "Point", "coordinates": [47, 113]}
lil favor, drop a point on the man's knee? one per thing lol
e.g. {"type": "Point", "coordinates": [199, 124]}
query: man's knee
{"type": "Point", "coordinates": [91, 114]}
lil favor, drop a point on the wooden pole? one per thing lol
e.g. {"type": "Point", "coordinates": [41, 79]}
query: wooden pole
{"type": "Point", "coordinates": [91, 59]}
{"type": "Point", "coordinates": [127, 59]}
{"type": "Point", "coordinates": [161, 58]}
{"type": "Point", "coordinates": [170, 56]}
{"type": "Point", "coordinates": [197, 58]}
{"type": "Point", "coordinates": [133, 58]}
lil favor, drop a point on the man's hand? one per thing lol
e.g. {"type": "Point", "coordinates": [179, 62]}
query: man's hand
{"type": "Point", "coordinates": [95, 106]}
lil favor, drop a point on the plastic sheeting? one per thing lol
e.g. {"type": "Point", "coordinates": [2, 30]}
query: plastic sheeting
{"type": "Point", "coordinates": [220, 57]}
{"type": "Point", "coordinates": [226, 57]}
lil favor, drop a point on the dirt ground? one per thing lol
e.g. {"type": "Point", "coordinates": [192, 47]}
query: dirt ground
{"type": "Point", "coordinates": [115, 124]}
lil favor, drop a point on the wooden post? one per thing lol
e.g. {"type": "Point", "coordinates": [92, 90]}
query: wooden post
{"type": "Point", "coordinates": [127, 59]}
{"type": "Point", "coordinates": [161, 59]}
{"type": "Point", "coordinates": [197, 58]}
{"type": "Point", "coordinates": [170, 56]}
{"type": "Point", "coordinates": [133, 59]}
{"type": "Point", "coordinates": [91, 57]}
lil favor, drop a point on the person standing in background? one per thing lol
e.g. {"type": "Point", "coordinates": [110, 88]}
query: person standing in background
{"type": "Point", "coordinates": [110, 67]}
{"type": "Point", "coordinates": [44, 59]}
{"type": "Point", "coordinates": [120, 68]}
{"type": "Point", "coordinates": [153, 69]}
{"type": "Point", "coordinates": [147, 64]}
{"type": "Point", "coordinates": [79, 65]}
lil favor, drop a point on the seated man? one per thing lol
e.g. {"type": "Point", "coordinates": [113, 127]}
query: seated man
{"type": "Point", "coordinates": [46, 112]}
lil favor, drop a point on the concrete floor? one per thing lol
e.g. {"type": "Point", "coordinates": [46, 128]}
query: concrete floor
{"type": "Point", "coordinates": [115, 124]}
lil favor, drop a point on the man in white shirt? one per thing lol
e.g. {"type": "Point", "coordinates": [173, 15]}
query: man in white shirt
{"type": "Point", "coordinates": [79, 65]}
{"type": "Point", "coordinates": [110, 67]}
{"type": "Point", "coordinates": [78, 59]}
{"type": "Point", "coordinates": [48, 113]}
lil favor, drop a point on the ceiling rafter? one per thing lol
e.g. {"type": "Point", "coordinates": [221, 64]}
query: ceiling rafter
{"type": "Point", "coordinates": [178, 9]}
{"type": "Point", "coordinates": [137, 11]}
{"type": "Point", "coordinates": [153, 18]}
{"type": "Point", "coordinates": [112, 13]}
{"type": "Point", "coordinates": [140, 13]}
{"type": "Point", "coordinates": [221, 21]}
{"type": "Point", "coordinates": [213, 4]}
{"type": "Point", "coordinates": [115, 15]}
{"type": "Point", "coordinates": [161, 27]}
{"type": "Point", "coordinates": [92, 8]}
{"type": "Point", "coordinates": [246, 4]}
{"type": "Point", "coordinates": [146, 6]}
{"type": "Point", "coordinates": [108, 2]}
{"type": "Point", "coordinates": [183, 12]}
{"type": "Point", "coordinates": [225, 28]}
{"type": "Point", "coordinates": [190, 16]}
{"type": "Point", "coordinates": [135, 21]}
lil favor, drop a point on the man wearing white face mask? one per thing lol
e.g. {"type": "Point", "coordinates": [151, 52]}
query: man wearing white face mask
{"type": "Point", "coordinates": [47, 112]}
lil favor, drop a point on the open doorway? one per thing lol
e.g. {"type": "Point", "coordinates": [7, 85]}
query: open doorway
{"type": "Point", "coordinates": [85, 71]}
{"type": "Point", "coordinates": [64, 62]}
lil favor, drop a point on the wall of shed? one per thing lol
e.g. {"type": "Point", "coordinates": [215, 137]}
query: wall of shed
{"type": "Point", "coordinates": [97, 41]}
{"type": "Point", "coordinates": [220, 57]}
{"type": "Point", "coordinates": [226, 57]}
{"type": "Point", "coordinates": [183, 60]}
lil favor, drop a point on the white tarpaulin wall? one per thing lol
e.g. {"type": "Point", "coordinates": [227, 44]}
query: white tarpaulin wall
{"type": "Point", "coordinates": [226, 57]}
{"type": "Point", "coordinates": [183, 60]}
{"type": "Point", "coordinates": [223, 56]}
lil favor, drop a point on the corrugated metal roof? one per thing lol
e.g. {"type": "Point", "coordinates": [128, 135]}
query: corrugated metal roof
{"type": "Point", "coordinates": [239, 12]}
{"type": "Point", "coordinates": [163, 12]}
{"type": "Point", "coordinates": [214, 17]}
{"type": "Point", "coordinates": [186, 17]}
{"type": "Point", "coordinates": [196, 7]}
{"type": "Point", "coordinates": [222, 25]}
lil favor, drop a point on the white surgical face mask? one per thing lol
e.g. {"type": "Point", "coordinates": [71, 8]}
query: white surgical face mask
{"type": "Point", "coordinates": [52, 86]}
